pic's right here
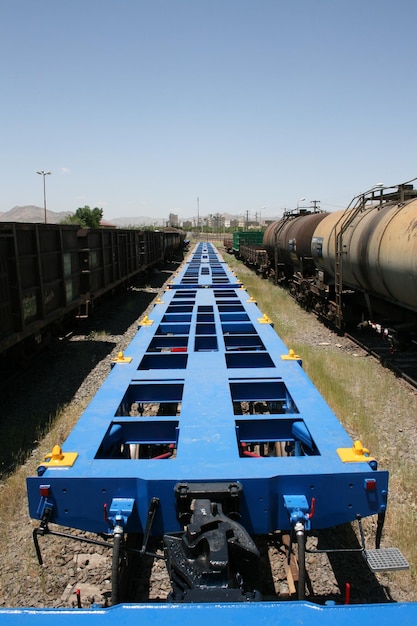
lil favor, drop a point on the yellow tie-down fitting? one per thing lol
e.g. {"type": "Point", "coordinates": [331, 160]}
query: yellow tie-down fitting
{"type": "Point", "coordinates": [57, 458]}
{"type": "Point", "coordinates": [121, 358]}
{"type": "Point", "coordinates": [265, 319]}
{"type": "Point", "coordinates": [146, 321]}
{"type": "Point", "coordinates": [252, 299]}
{"type": "Point", "coordinates": [291, 356]}
{"type": "Point", "coordinates": [356, 454]}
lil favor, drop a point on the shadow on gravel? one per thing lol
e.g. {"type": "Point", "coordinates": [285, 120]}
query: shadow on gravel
{"type": "Point", "coordinates": [29, 411]}
{"type": "Point", "coordinates": [351, 568]}
{"type": "Point", "coordinates": [117, 314]}
{"type": "Point", "coordinates": [30, 402]}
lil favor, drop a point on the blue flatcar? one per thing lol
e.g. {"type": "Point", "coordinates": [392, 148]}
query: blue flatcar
{"type": "Point", "coordinates": [208, 433]}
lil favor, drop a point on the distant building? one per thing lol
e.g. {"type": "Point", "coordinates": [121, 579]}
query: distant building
{"type": "Point", "coordinates": [173, 220]}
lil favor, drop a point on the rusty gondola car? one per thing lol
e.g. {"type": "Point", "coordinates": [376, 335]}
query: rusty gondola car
{"type": "Point", "coordinates": [51, 271]}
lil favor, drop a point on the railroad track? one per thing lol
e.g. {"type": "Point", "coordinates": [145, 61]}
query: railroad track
{"type": "Point", "coordinates": [402, 362]}
{"type": "Point", "coordinates": [148, 580]}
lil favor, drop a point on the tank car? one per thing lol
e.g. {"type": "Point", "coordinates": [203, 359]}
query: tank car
{"type": "Point", "coordinates": [352, 266]}
{"type": "Point", "coordinates": [208, 434]}
{"type": "Point", "coordinates": [366, 258]}
{"type": "Point", "coordinates": [288, 243]}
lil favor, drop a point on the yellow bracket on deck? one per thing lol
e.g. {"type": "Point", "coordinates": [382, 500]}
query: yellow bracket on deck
{"type": "Point", "coordinates": [57, 458]}
{"type": "Point", "coordinates": [264, 319]}
{"type": "Point", "coordinates": [146, 321]}
{"type": "Point", "coordinates": [291, 356]}
{"type": "Point", "coordinates": [356, 454]}
{"type": "Point", "coordinates": [121, 358]}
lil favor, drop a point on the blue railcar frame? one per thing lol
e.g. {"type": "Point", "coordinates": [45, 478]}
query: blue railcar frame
{"type": "Point", "coordinates": [204, 352]}
{"type": "Point", "coordinates": [216, 367]}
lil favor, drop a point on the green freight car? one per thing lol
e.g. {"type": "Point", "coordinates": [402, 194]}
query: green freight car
{"type": "Point", "coordinates": [249, 238]}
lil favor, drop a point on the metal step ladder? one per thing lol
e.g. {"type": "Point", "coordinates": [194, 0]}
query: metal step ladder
{"type": "Point", "coordinates": [385, 559]}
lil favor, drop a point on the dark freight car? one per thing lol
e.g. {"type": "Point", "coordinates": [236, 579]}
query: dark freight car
{"type": "Point", "coordinates": [112, 257]}
{"type": "Point", "coordinates": [39, 278]}
{"type": "Point", "coordinates": [50, 271]}
{"type": "Point", "coordinates": [255, 256]}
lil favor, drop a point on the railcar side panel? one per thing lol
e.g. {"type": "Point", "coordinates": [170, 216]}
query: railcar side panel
{"type": "Point", "coordinates": [40, 277]}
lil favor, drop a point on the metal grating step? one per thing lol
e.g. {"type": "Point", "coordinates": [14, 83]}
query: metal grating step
{"type": "Point", "coordinates": [385, 559]}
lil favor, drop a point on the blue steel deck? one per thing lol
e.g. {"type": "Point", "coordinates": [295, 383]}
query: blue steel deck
{"type": "Point", "coordinates": [206, 351]}
{"type": "Point", "coordinates": [246, 614]}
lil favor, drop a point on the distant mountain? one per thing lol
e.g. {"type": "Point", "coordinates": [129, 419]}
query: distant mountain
{"type": "Point", "coordinates": [33, 214]}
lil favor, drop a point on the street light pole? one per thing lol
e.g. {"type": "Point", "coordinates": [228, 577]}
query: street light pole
{"type": "Point", "coordinates": [43, 173]}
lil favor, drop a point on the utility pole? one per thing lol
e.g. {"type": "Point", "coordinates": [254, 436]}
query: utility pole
{"type": "Point", "coordinates": [43, 173]}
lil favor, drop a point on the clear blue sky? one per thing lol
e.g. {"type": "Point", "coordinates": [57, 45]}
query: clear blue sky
{"type": "Point", "coordinates": [141, 106]}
